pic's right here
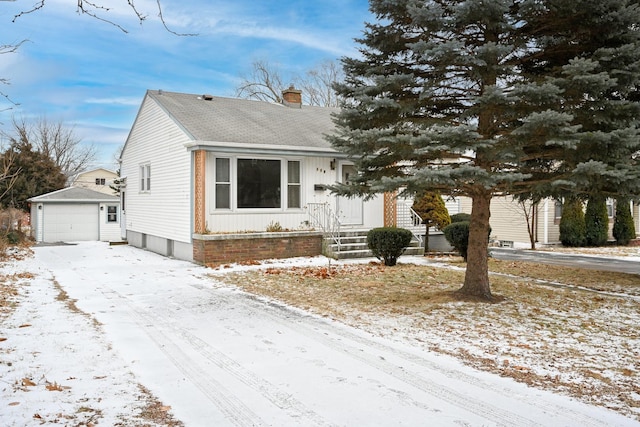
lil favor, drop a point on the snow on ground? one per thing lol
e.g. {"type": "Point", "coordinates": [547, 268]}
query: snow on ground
{"type": "Point", "coordinates": [629, 253]}
{"type": "Point", "coordinates": [92, 323]}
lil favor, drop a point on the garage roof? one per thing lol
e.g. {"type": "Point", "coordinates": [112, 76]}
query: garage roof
{"type": "Point", "coordinates": [75, 195]}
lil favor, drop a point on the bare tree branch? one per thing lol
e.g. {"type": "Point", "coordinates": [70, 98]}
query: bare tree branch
{"type": "Point", "coordinates": [56, 141]}
{"type": "Point", "coordinates": [6, 174]}
{"type": "Point", "coordinates": [317, 86]}
{"type": "Point", "coordinates": [164, 23]}
{"type": "Point", "coordinates": [94, 10]}
{"type": "Point", "coordinates": [9, 48]}
{"type": "Point", "coordinates": [264, 84]}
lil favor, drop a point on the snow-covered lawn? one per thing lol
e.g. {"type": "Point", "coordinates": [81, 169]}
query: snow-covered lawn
{"type": "Point", "coordinates": [98, 335]}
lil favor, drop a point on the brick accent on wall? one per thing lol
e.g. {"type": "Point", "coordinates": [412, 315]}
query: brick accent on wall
{"type": "Point", "coordinates": [199, 222]}
{"type": "Point", "coordinates": [222, 249]}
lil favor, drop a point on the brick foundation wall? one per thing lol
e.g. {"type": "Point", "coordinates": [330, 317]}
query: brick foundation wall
{"type": "Point", "coordinates": [228, 248]}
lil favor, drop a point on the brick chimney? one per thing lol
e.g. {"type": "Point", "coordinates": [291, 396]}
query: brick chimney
{"type": "Point", "coordinates": [292, 97]}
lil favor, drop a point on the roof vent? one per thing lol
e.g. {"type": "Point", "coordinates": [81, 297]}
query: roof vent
{"type": "Point", "coordinates": [207, 97]}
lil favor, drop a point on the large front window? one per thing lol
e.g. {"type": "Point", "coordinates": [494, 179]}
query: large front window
{"type": "Point", "coordinates": [259, 183]}
{"type": "Point", "coordinates": [249, 183]}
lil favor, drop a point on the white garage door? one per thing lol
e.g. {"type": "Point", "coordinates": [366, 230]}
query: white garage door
{"type": "Point", "coordinates": [70, 222]}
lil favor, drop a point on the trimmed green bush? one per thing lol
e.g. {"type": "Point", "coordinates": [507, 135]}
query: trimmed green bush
{"type": "Point", "coordinates": [460, 217]}
{"type": "Point", "coordinates": [572, 226]}
{"type": "Point", "coordinates": [624, 230]}
{"type": "Point", "coordinates": [388, 243]}
{"type": "Point", "coordinates": [596, 220]}
{"type": "Point", "coordinates": [457, 234]}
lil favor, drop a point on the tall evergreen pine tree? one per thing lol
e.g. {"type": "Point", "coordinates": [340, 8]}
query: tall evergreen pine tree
{"type": "Point", "coordinates": [480, 98]}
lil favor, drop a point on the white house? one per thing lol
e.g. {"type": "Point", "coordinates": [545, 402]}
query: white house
{"type": "Point", "coordinates": [197, 167]}
{"type": "Point", "coordinates": [75, 214]}
{"type": "Point", "coordinates": [96, 179]}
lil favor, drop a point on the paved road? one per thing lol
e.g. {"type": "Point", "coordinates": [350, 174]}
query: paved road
{"type": "Point", "coordinates": [569, 260]}
{"type": "Point", "coordinates": [225, 358]}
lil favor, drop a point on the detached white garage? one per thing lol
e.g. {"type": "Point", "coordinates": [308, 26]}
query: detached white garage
{"type": "Point", "coordinates": [75, 214]}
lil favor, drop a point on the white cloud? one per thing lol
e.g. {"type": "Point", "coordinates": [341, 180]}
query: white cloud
{"type": "Point", "coordinates": [119, 100]}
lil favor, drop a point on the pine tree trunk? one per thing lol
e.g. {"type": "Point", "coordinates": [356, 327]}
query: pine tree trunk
{"type": "Point", "coordinates": [476, 279]}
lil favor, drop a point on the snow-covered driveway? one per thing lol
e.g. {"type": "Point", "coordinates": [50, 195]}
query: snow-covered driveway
{"type": "Point", "coordinates": [221, 357]}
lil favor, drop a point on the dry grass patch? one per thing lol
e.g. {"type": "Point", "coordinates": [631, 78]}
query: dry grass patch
{"type": "Point", "coordinates": [563, 338]}
{"type": "Point", "coordinates": [592, 279]}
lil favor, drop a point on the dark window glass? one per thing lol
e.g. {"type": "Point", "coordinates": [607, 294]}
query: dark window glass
{"type": "Point", "coordinates": [258, 183]}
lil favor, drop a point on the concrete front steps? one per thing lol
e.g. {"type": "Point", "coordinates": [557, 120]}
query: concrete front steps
{"type": "Point", "coordinates": [353, 244]}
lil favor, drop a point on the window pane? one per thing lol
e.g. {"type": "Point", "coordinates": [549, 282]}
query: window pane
{"type": "Point", "coordinates": [112, 214]}
{"type": "Point", "coordinates": [222, 170]}
{"type": "Point", "coordinates": [258, 183]}
{"type": "Point", "coordinates": [222, 196]}
{"type": "Point", "coordinates": [294, 172]}
{"type": "Point", "coordinates": [293, 196]}
{"type": "Point", "coordinates": [558, 209]}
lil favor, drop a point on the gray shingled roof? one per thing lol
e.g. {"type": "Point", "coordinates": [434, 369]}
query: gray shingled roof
{"type": "Point", "coordinates": [231, 120]}
{"type": "Point", "coordinates": [75, 195]}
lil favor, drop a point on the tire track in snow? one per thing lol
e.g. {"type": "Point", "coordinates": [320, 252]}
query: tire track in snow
{"type": "Point", "coordinates": [284, 401]}
{"type": "Point", "coordinates": [232, 407]}
{"type": "Point", "coordinates": [311, 325]}
{"type": "Point", "coordinates": [334, 338]}
{"type": "Point", "coordinates": [321, 331]}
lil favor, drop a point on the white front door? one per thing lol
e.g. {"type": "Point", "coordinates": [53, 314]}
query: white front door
{"type": "Point", "coordinates": [349, 209]}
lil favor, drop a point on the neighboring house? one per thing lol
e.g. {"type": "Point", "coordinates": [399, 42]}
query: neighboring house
{"type": "Point", "coordinates": [197, 167]}
{"type": "Point", "coordinates": [75, 214]}
{"type": "Point", "coordinates": [509, 223]}
{"type": "Point", "coordinates": [98, 180]}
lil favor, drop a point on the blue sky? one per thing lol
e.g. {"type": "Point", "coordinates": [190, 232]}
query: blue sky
{"type": "Point", "coordinates": [92, 76]}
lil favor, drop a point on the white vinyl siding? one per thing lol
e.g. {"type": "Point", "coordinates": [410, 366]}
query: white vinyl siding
{"type": "Point", "coordinates": [165, 211]}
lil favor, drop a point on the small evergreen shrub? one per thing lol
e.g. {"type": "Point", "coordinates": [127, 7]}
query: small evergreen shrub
{"type": "Point", "coordinates": [388, 243]}
{"type": "Point", "coordinates": [624, 230]}
{"type": "Point", "coordinates": [460, 217]}
{"type": "Point", "coordinates": [596, 220]}
{"type": "Point", "coordinates": [572, 226]}
{"type": "Point", "coordinates": [457, 234]}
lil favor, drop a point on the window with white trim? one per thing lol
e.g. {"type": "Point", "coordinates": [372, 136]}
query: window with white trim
{"type": "Point", "coordinates": [223, 183]}
{"type": "Point", "coordinates": [101, 181]}
{"type": "Point", "coordinates": [293, 184]}
{"type": "Point", "coordinates": [145, 177]}
{"type": "Point", "coordinates": [253, 183]}
{"type": "Point", "coordinates": [112, 213]}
